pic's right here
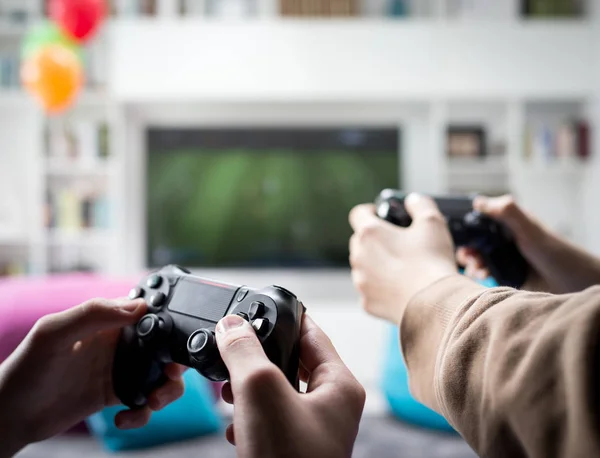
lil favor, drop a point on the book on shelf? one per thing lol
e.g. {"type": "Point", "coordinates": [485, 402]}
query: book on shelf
{"type": "Point", "coordinates": [552, 8]}
{"type": "Point", "coordinates": [73, 209]}
{"type": "Point", "coordinates": [19, 12]}
{"type": "Point", "coordinates": [82, 140]}
{"type": "Point", "coordinates": [318, 8]}
{"type": "Point", "coordinates": [564, 141]}
{"type": "Point", "coordinates": [481, 9]}
{"type": "Point", "coordinates": [9, 71]}
{"type": "Point", "coordinates": [150, 8]}
{"type": "Point", "coordinates": [231, 8]}
{"type": "Point", "coordinates": [12, 268]}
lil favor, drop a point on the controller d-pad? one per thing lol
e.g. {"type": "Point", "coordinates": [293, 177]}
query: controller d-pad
{"type": "Point", "coordinates": [455, 225]}
{"type": "Point", "coordinates": [136, 293]}
{"type": "Point", "coordinates": [157, 299]}
{"type": "Point", "coordinates": [473, 219]}
{"type": "Point", "coordinates": [154, 281]}
{"type": "Point", "coordinates": [261, 326]}
{"type": "Point", "coordinates": [257, 309]}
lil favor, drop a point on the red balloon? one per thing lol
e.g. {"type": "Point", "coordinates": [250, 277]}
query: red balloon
{"type": "Point", "coordinates": [78, 18]}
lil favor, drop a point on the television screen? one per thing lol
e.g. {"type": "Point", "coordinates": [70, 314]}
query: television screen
{"type": "Point", "coordinates": [261, 198]}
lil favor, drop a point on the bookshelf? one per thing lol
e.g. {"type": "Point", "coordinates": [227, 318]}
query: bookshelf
{"type": "Point", "coordinates": [416, 86]}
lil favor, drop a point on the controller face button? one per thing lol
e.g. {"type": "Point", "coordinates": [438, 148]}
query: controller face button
{"type": "Point", "coordinates": [243, 292]}
{"type": "Point", "coordinates": [261, 326]}
{"type": "Point", "coordinates": [158, 299]}
{"type": "Point", "coordinates": [154, 281]}
{"type": "Point", "coordinates": [135, 293]}
{"type": "Point", "coordinates": [257, 309]}
{"type": "Point", "coordinates": [147, 326]}
{"type": "Point", "coordinates": [243, 315]}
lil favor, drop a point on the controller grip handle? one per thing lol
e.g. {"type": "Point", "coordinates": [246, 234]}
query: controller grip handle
{"type": "Point", "coordinates": [507, 265]}
{"type": "Point", "coordinates": [291, 372]}
{"type": "Point", "coordinates": [136, 373]}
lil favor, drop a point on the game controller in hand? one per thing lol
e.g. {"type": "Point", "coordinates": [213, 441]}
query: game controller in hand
{"type": "Point", "coordinates": [179, 327]}
{"type": "Point", "coordinates": [469, 228]}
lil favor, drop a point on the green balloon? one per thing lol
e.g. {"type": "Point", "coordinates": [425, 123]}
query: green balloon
{"type": "Point", "coordinates": [45, 34]}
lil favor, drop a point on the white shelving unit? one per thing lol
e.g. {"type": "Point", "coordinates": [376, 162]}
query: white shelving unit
{"type": "Point", "coordinates": [421, 74]}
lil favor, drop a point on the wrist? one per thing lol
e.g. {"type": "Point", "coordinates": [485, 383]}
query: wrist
{"type": "Point", "coordinates": [12, 434]}
{"type": "Point", "coordinates": [14, 430]}
{"type": "Point", "coordinates": [430, 273]}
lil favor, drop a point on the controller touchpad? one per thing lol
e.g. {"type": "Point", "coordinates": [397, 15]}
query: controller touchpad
{"type": "Point", "coordinates": [208, 301]}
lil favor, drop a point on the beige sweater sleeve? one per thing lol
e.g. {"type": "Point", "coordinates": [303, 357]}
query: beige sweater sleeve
{"type": "Point", "coordinates": [516, 373]}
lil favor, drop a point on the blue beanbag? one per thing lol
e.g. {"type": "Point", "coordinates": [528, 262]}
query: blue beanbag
{"type": "Point", "coordinates": [395, 385]}
{"type": "Point", "coordinates": [192, 415]}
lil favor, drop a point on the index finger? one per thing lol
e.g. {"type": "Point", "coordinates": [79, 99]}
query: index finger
{"type": "Point", "coordinates": [421, 207]}
{"type": "Point", "coordinates": [363, 215]}
{"type": "Point", "coordinates": [318, 355]}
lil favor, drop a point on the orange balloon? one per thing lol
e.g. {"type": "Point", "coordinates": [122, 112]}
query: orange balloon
{"type": "Point", "coordinates": [54, 76]}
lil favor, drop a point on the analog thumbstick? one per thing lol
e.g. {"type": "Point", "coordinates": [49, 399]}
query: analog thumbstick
{"type": "Point", "coordinates": [148, 327]}
{"type": "Point", "coordinates": [202, 346]}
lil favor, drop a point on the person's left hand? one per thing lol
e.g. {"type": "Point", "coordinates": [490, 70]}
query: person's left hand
{"type": "Point", "coordinates": [391, 264]}
{"type": "Point", "coordinates": [62, 372]}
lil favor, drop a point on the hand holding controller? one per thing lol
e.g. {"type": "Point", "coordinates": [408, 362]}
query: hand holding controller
{"type": "Point", "coordinates": [468, 228]}
{"type": "Point", "coordinates": [179, 327]}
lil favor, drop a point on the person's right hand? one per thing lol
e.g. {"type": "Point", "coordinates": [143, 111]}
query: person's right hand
{"type": "Point", "coordinates": [61, 373]}
{"type": "Point", "coordinates": [271, 419]}
{"type": "Point", "coordinates": [557, 266]}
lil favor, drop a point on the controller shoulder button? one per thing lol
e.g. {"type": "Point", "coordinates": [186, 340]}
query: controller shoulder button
{"type": "Point", "coordinates": [285, 291]}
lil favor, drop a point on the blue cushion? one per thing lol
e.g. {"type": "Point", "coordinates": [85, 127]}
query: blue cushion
{"type": "Point", "coordinates": [192, 415]}
{"type": "Point", "coordinates": [395, 385]}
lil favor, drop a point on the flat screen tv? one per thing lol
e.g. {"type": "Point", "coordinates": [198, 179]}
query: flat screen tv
{"type": "Point", "coordinates": [261, 198]}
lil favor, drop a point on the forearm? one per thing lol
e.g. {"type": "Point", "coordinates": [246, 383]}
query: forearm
{"type": "Point", "coordinates": [513, 372]}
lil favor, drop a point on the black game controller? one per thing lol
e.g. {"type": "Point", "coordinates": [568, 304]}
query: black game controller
{"type": "Point", "coordinates": [469, 228]}
{"type": "Point", "coordinates": [179, 327]}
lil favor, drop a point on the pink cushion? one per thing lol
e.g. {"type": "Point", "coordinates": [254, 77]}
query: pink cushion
{"type": "Point", "coordinates": [25, 300]}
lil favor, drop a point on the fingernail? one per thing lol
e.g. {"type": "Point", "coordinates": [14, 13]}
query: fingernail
{"type": "Point", "coordinates": [229, 322]}
{"type": "Point", "coordinates": [479, 203]}
{"type": "Point", "coordinates": [125, 424]}
{"type": "Point", "coordinates": [161, 401]}
{"type": "Point", "coordinates": [413, 197]}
